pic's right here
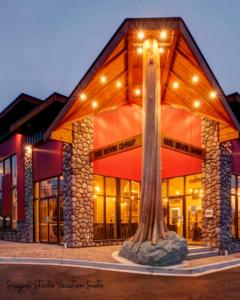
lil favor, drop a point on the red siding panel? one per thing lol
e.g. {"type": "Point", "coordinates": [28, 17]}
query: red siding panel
{"type": "Point", "coordinates": [126, 121]}
{"type": "Point", "coordinates": [47, 160]}
{"type": "Point", "coordinates": [15, 145]}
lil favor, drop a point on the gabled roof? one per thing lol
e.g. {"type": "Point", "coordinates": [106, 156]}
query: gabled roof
{"type": "Point", "coordinates": [21, 106]}
{"type": "Point", "coordinates": [41, 117]}
{"type": "Point", "coordinates": [119, 62]}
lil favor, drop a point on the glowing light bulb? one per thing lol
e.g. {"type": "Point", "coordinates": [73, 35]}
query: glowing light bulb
{"type": "Point", "coordinates": [97, 189]}
{"type": "Point", "coordinates": [140, 35]}
{"type": "Point", "coordinates": [139, 50]}
{"type": "Point", "coordinates": [196, 104]}
{"type": "Point", "coordinates": [161, 50]}
{"type": "Point", "coordinates": [94, 104]}
{"type": "Point", "coordinates": [103, 79]}
{"type": "Point", "coordinates": [137, 92]}
{"type": "Point", "coordinates": [163, 34]}
{"type": "Point", "coordinates": [83, 96]}
{"type": "Point", "coordinates": [118, 84]}
{"type": "Point", "coordinates": [213, 95]}
{"type": "Point", "coordinates": [28, 148]}
{"type": "Point", "coordinates": [176, 85]}
{"type": "Point", "coordinates": [195, 79]}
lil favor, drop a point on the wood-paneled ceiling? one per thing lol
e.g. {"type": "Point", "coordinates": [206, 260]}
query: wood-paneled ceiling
{"type": "Point", "coordinates": [115, 78]}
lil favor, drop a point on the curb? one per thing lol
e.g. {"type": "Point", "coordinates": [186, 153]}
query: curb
{"type": "Point", "coordinates": [117, 267]}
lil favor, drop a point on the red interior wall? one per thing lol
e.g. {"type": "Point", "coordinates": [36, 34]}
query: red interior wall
{"type": "Point", "coordinates": [15, 145]}
{"type": "Point", "coordinates": [126, 121]}
{"type": "Point", "coordinates": [47, 160]}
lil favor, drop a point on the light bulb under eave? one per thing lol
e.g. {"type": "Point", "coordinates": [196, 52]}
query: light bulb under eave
{"type": "Point", "coordinates": [163, 34]}
{"type": "Point", "coordinates": [196, 104]}
{"type": "Point", "coordinates": [103, 79]}
{"type": "Point", "coordinates": [175, 84]}
{"type": "Point", "coordinates": [83, 96]}
{"type": "Point", "coordinates": [118, 84]}
{"type": "Point", "coordinates": [94, 104]}
{"type": "Point", "coordinates": [137, 92]}
{"type": "Point", "coordinates": [213, 95]}
{"type": "Point", "coordinates": [195, 79]}
{"type": "Point", "coordinates": [140, 35]}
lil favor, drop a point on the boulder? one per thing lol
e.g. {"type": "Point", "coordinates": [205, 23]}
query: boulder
{"type": "Point", "coordinates": [168, 251]}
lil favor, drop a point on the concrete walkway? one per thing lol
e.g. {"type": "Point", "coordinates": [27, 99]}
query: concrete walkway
{"type": "Point", "coordinates": [106, 258]}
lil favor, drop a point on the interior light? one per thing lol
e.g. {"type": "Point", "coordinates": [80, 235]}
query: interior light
{"type": "Point", "coordinates": [195, 79]}
{"type": "Point", "coordinates": [196, 104]}
{"type": "Point", "coordinates": [177, 192]}
{"type": "Point", "coordinates": [97, 189]}
{"type": "Point", "coordinates": [103, 79]}
{"type": "Point", "coordinates": [94, 104]}
{"type": "Point", "coordinates": [139, 50]}
{"type": "Point", "coordinates": [140, 35]}
{"type": "Point", "coordinates": [161, 50]}
{"type": "Point", "coordinates": [163, 34]}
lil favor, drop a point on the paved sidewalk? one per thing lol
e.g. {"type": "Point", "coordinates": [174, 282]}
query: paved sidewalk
{"type": "Point", "coordinates": [14, 249]}
{"type": "Point", "coordinates": [106, 258]}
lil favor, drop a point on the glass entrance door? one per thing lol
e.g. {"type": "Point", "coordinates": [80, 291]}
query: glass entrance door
{"type": "Point", "coordinates": [175, 215]}
{"type": "Point", "coordinates": [48, 220]}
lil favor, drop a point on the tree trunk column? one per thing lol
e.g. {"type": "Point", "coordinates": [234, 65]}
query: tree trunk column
{"type": "Point", "coordinates": [151, 215]}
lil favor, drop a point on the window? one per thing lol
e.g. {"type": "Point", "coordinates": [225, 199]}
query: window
{"type": "Point", "coordinates": [235, 206]}
{"type": "Point", "coordinates": [48, 210]}
{"type": "Point", "coordinates": [9, 167]}
{"type": "Point", "coordinates": [115, 207]}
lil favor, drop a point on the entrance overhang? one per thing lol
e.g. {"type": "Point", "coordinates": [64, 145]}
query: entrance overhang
{"type": "Point", "coordinates": [115, 78]}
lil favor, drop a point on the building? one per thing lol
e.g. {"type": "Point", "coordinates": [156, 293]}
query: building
{"type": "Point", "coordinates": [70, 167]}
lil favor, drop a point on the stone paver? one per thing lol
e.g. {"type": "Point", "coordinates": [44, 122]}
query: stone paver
{"type": "Point", "coordinates": [100, 254]}
{"type": "Point", "coordinates": [12, 249]}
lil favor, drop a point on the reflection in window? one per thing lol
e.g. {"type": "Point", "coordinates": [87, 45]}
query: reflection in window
{"type": "Point", "coordinates": [9, 166]}
{"type": "Point", "coordinates": [176, 186]}
{"type": "Point", "coordinates": [194, 184]}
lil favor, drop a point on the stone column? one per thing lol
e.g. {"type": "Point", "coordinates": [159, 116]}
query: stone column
{"type": "Point", "coordinates": [216, 173]}
{"type": "Point", "coordinates": [25, 229]}
{"type": "Point", "coordinates": [78, 186]}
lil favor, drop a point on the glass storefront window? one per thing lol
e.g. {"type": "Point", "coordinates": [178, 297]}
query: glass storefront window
{"type": "Point", "coordinates": [164, 188]}
{"type": "Point", "coordinates": [14, 170]}
{"type": "Point", "coordinates": [176, 186]}
{"type": "Point", "coordinates": [49, 187]}
{"type": "Point", "coordinates": [125, 188]}
{"type": "Point", "coordinates": [194, 184]}
{"type": "Point", "coordinates": [1, 174]}
{"type": "Point", "coordinates": [14, 209]}
{"type": "Point", "coordinates": [7, 166]}
{"type": "Point", "coordinates": [98, 185]}
{"type": "Point", "coordinates": [48, 210]}
{"type": "Point", "coordinates": [233, 204]}
{"type": "Point", "coordinates": [193, 218]}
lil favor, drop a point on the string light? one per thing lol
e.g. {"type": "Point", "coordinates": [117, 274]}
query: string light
{"type": "Point", "coordinates": [83, 96]}
{"type": "Point", "coordinates": [163, 34]}
{"type": "Point", "coordinates": [103, 79]}
{"type": "Point", "coordinates": [28, 149]}
{"type": "Point", "coordinates": [196, 104]}
{"type": "Point", "coordinates": [195, 79]}
{"type": "Point", "coordinates": [161, 50]}
{"type": "Point", "coordinates": [139, 50]}
{"type": "Point", "coordinates": [94, 104]}
{"type": "Point", "coordinates": [119, 84]}
{"type": "Point", "coordinates": [213, 95]}
{"type": "Point", "coordinates": [140, 35]}
{"type": "Point", "coordinates": [176, 85]}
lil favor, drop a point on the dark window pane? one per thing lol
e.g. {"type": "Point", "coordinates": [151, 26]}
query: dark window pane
{"type": "Point", "coordinates": [1, 174]}
{"type": "Point", "coordinates": [14, 170]}
{"type": "Point", "coordinates": [7, 166]}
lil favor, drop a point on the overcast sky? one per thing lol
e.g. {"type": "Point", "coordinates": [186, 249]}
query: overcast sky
{"type": "Point", "coordinates": [47, 45]}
